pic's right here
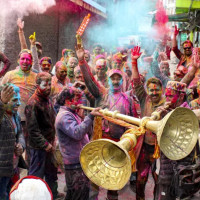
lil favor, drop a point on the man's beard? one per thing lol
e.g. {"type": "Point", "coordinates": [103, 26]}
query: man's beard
{"type": "Point", "coordinates": [116, 88]}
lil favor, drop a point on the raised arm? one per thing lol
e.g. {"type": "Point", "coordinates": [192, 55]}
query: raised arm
{"type": "Point", "coordinates": [174, 43]}
{"type": "Point", "coordinates": [36, 65]}
{"type": "Point", "coordinates": [22, 38]}
{"type": "Point", "coordinates": [6, 62]}
{"type": "Point", "coordinates": [138, 86]}
{"type": "Point", "coordinates": [93, 86]}
{"type": "Point", "coordinates": [6, 95]}
{"type": "Point", "coordinates": [192, 70]}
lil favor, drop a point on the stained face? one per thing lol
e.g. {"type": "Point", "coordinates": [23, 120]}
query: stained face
{"type": "Point", "coordinates": [79, 77]}
{"type": "Point", "coordinates": [115, 79]}
{"type": "Point", "coordinates": [72, 63]}
{"type": "Point", "coordinates": [117, 64]}
{"type": "Point", "coordinates": [61, 72]}
{"type": "Point", "coordinates": [87, 57]}
{"type": "Point", "coordinates": [128, 70]}
{"type": "Point", "coordinates": [187, 49]}
{"type": "Point", "coordinates": [164, 68]}
{"type": "Point", "coordinates": [25, 61]}
{"type": "Point", "coordinates": [76, 100]}
{"type": "Point", "coordinates": [45, 87]}
{"type": "Point", "coordinates": [97, 50]}
{"type": "Point", "coordinates": [14, 103]}
{"type": "Point", "coordinates": [46, 67]}
{"type": "Point", "coordinates": [155, 92]}
{"type": "Point", "coordinates": [100, 71]}
{"type": "Point", "coordinates": [171, 96]}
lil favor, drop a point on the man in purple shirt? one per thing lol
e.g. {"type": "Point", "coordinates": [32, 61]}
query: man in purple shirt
{"type": "Point", "coordinates": [73, 135]}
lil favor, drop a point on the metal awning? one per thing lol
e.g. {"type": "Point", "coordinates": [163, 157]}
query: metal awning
{"type": "Point", "coordinates": [91, 6]}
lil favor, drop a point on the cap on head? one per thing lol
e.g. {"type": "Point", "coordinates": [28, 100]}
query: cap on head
{"type": "Point", "coordinates": [31, 187]}
{"type": "Point", "coordinates": [115, 71]}
{"type": "Point", "coordinates": [176, 86]}
{"type": "Point", "coordinates": [46, 60]}
{"type": "Point", "coordinates": [100, 62]}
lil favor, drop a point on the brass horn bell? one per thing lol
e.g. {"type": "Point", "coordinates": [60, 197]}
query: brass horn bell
{"type": "Point", "coordinates": [107, 163]}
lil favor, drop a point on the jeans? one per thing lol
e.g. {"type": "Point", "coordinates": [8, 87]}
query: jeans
{"type": "Point", "coordinates": [41, 165]}
{"type": "Point", "coordinates": [4, 182]}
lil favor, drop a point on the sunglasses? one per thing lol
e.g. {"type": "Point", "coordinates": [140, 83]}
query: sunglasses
{"type": "Point", "coordinates": [187, 48]}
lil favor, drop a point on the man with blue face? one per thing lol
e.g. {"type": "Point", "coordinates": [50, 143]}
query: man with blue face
{"type": "Point", "coordinates": [11, 136]}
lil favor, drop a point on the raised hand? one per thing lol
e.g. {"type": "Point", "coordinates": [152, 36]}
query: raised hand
{"type": "Point", "coordinates": [7, 93]}
{"type": "Point", "coordinates": [32, 39]}
{"type": "Point", "coordinates": [176, 31]}
{"type": "Point", "coordinates": [80, 53]}
{"type": "Point", "coordinates": [135, 53]}
{"type": "Point", "coordinates": [20, 24]}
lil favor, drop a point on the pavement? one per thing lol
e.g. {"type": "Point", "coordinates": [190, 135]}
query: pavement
{"type": "Point", "coordinates": [125, 194]}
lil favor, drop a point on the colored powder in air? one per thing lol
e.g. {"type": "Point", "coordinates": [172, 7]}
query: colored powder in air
{"type": "Point", "coordinates": [161, 21]}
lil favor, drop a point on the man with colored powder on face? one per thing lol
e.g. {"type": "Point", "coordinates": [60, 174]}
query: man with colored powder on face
{"type": "Point", "coordinates": [73, 135]}
{"type": "Point", "coordinates": [11, 136]}
{"type": "Point", "coordinates": [40, 117]}
{"type": "Point", "coordinates": [59, 80]}
{"type": "Point", "coordinates": [46, 64]}
{"type": "Point", "coordinates": [36, 47]}
{"type": "Point", "coordinates": [101, 69]}
{"type": "Point", "coordinates": [149, 99]}
{"type": "Point", "coordinates": [175, 93]}
{"type": "Point", "coordinates": [117, 63]}
{"type": "Point", "coordinates": [112, 98]}
{"type": "Point", "coordinates": [180, 73]}
{"type": "Point", "coordinates": [24, 78]}
{"type": "Point", "coordinates": [71, 64]}
{"type": "Point", "coordinates": [185, 58]}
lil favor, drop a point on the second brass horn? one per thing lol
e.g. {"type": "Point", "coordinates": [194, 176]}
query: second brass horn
{"type": "Point", "coordinates": [107, 163]}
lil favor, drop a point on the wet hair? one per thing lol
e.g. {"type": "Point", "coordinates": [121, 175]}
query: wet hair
{"type": "Point", "coordinates": [41, 76]}
{"type": "Point", "coordinates": [155, 81]}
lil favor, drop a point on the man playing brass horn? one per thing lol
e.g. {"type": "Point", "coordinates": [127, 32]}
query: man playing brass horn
{"type": "Point", "coordinates": [168, 184]}
{"type": "Point", "coordinates": [113, 98]}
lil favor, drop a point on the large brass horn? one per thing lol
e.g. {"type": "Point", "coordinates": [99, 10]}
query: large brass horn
{"type": "Point", "coordinates": [107, 163]}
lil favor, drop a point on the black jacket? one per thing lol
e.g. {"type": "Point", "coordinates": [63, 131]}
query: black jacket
{"type": "Point", "coordinates": [40, 119]}
{"type": "Point", "coordinates": [8, 138]}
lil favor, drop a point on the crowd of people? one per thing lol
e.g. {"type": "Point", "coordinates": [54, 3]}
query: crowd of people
{"type": "Point", "coordinates": [39, 115]}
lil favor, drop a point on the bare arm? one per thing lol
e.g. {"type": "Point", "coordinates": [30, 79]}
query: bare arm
{"type": "Point", "coordinates": [6, 62]}
{"type": "Point", "coordinates": [191, 73]}
{"type": "Point", "coordinates": [22, 38]}
{"type": "Point", "coordinates": [36, 65]}
{"type": "Point", "coordinates": [174, 43]}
